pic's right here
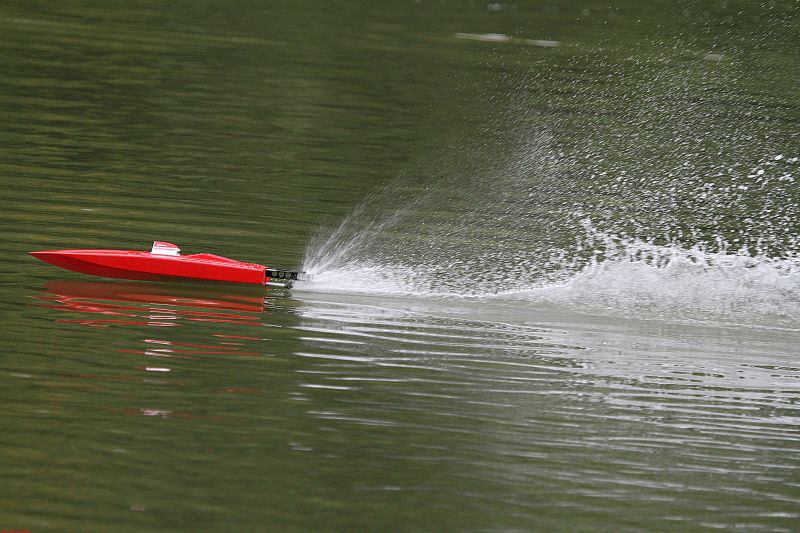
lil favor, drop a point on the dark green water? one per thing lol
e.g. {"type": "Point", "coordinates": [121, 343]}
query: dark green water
{"type": "Point", "coordinates": [566, 297]}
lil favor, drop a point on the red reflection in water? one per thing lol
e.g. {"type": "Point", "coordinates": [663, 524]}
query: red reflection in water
{"type": "Point", "coordinates": [163, 305]}
{"type": "Point", "coordinates": [194, 349]}
{"type": "Point", "coordinates": [152, 305]}
{"type": "Point", "coordinates": [242, 337]}
{"type": "Point", "coordinates": [159, 305]}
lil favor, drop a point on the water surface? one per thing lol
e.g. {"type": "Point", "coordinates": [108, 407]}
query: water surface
{"type": "Point", "coordinates": [555, 256]}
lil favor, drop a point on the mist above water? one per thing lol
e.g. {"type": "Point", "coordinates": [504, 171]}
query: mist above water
{"type": "Point", "coordinates": [504, 237]}
{"type": "Point", "coordinates": [672, 208]}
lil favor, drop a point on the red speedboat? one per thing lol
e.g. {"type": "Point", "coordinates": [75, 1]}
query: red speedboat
{"type": "Point", "coordinates": [165, 263]}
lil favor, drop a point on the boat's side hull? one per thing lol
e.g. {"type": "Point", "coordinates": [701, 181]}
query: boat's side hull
{"type": "Point", "coordinates": [137, 265]}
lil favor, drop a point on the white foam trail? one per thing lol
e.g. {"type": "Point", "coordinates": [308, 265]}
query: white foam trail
{"type": "Point", "coordinates": [624, 276]}
{"type": "Point", "coordinates": [514, 233]}
{"type": "Point", "coordinates": [644, 279]}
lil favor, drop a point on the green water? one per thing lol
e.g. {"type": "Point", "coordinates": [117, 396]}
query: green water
{"type": "Point", "coordinates": [462, 380]}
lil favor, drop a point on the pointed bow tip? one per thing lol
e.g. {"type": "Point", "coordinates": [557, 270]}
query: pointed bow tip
{"type": "Point", "coordinates": [44, 255]}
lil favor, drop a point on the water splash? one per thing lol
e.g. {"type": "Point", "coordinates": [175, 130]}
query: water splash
{"type": "Point", "coordinates": [447, 229]}
{"type": "Point", "coordinates": [623, 275]}
{"type": "Point", "coordinates": [600, 272]}
{"type": "Point", "coordinates": [676, 208]}
{"type": "Point", "coordinates": [643, 279]}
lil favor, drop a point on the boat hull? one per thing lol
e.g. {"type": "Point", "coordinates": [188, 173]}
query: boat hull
{"type": "Point", "coordinates": [140, 265]}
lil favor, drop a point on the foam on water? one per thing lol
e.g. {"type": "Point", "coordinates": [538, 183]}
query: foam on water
{"type": "Point", "coordinates": [627, 277]}
{"type": "Point", "coordinates": [644, 279]}
{"type": "Point", "coordinates": [704, 228]}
